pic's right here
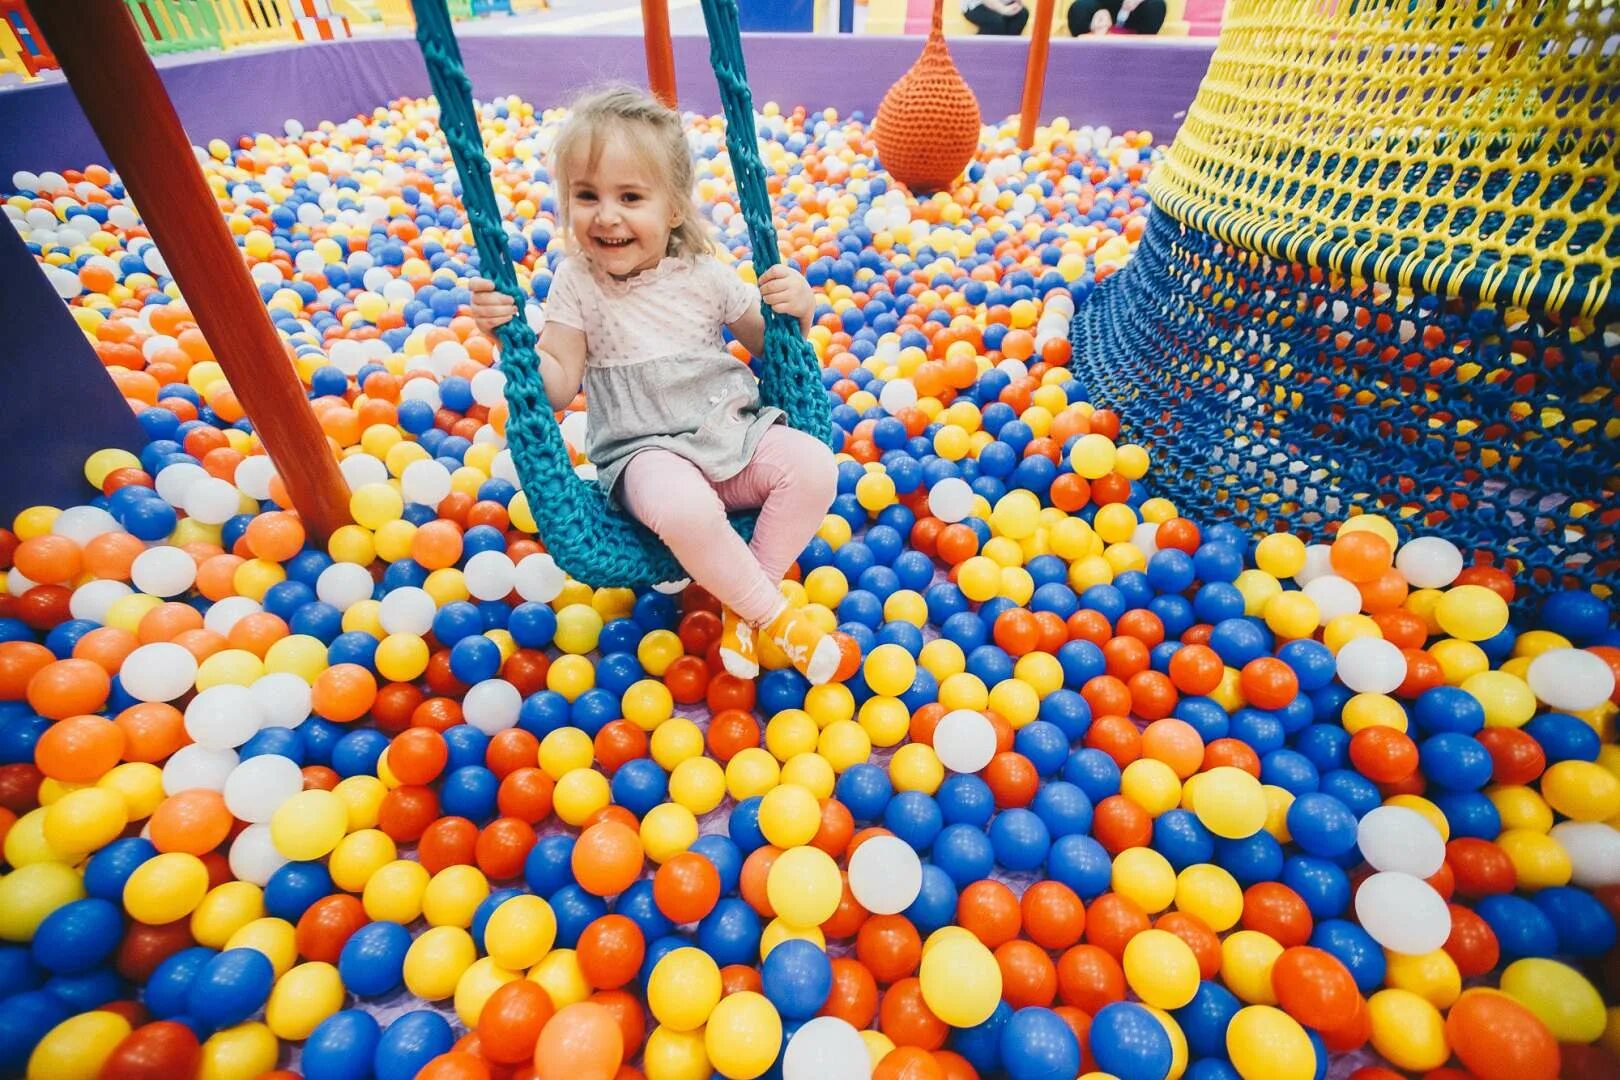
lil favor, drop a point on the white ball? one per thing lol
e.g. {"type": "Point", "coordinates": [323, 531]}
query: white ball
{"type": "Point", "coordinates": [161, 671]}
{"type": "Point", "coordinates": [260, 784]}
{"type": "Point", "coordinates": [1399, 839]}
{"type": "Point", "coordinates": [951, 499]}
{"type": "Point", "coordinates": [92, 599]}
{"type": "Point", "coordinates": [407, 610]}
{"type": "Point", "coordinates": [1403, 913]}
{"type": "Point", "coordinates": [213, 501]}
{"type": "Point", "coordinates": [283, 697]}
{"type": "Point", "coordinates": [489, 387]}
{"type": "Point", "coordinates": [1371, 665]}
{"type": "Point", "coordinates": [887, 878]}
{"type": "Point", "coordinates": [1146, 538]}
{"type": "Point", "coordinates": [576, 430]}
{"type": "Point", "coordinates": [489, 575]}
{"type": "Point", "coordinates": [1334, 595]}
{"type": "Point", "coordinates": [1429, 562]}
{"type": "Point", "coordinates": [1318, 563]}
{"type": "Point", "coordinates": [827, 1046]}
{"type": "Point", "coordinates": [1570, 680]}
{"type": "Point", "coordinates": [898, 394]}
{"type": "Point", "coordinates": [82, 524]}
{"type": "Point", "coordinates": [361, 469]}
{"type": "Point", "coordinates": [344, 585]}
{"type": "Point", "coordinates": [492, 706]}
{"type": "Point", "coordinates": [163, 571]}
{"type": "Point", "coordinates": [223, 717]}
{"type": "Point", "coordinates": [197, 767]}
{"type": "Point", "coordinates": [425, 481]}
{"type": "Point", "coordinates": [253, 476]}
{"type": "Point", "coordinates": [223, 615]}
{"type": "Point", "coordinates": [538, 578]}
{"type": "Point", "coordinates": [1593, 848]}
{"type": "Point", "coordinates": [254, 857]}
{"type": "Point", "coordinates": [964, 741]}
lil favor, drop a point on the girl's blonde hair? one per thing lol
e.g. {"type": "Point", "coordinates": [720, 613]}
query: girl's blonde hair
{"type": "Point", "coordinates": [651, 130]}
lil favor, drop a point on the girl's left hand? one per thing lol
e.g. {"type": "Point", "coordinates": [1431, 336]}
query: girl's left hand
{"type": "Point", "coordinates": [786, 292]}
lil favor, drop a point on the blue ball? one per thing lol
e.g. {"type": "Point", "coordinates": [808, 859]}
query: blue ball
{"type": "Point", "coordinates": [1127, 1041]}
{"type": "Point", "coordinates": [639, 785]}
{"type": "Point", "coordinates": [575, 909]}
{"type": "Point", "coordinates": [486, 907]}
{"type": "Point", "coordinates": [1584, 926]}
{"type": "Point", "coordinates": [25, 1020]}
{"type": "Point", "coordinates": [797, 978]}
{"type": "Point", "coordinates": [1038, 1044]}
{"type": "Point", "coordinates": [1321, 824]}
{"type": "Point", "coordinates": [78, 937]}
{"type": "Point", "coordinates": [341, 1047]}
{"type": "Point", "coordinates": [410, 1042]}
{"type": "Point", "coordinates": [725, 856]}
{"type": "Point", "coordinates": [1576, 614]}
{"type": "Point", "coordinates": [1564, 737]}
{"type": "Point", "coordinates": [1251, 860]}
{"type": "Point", "coordinates": [965, 853]}
{"type": "Point", "coordinates": [372, 962]}
{"type": "Point", "coordinates": [1082, 864]}
{"type": "Point", "coordinates": [109, 869]}
{"type": "Point", "coordinates": [1063, 807]}
{"type": "Point", "coordinates": [1205, 1018]}
{"type": "Point", "coordinates": [638, 904]}
{"type": "Point", "coordinates": [865, 791]}
{"type": "Point", "coordinates": [1321, 883]}
{"type": "Point", "coordinates": [1044, 744]}
{"type": "Point", "coordinates": [1455, 762]}
{"type": "Point", "coordinates": [469, 792]}
{"type": "Point", "coordinates": [1448, 709]}
{"type": "Point", "coordinates": [168, 988]}
{"type": "Point", "coordinates": [915, 818]}
{"type": "Point", "coordinates": [231, 987]}
{"type": "Point", "coordinates": [1522, 929]}
{"type": "Point", "coordinates": [935, 905]}
{"type": "Point", "coordinates": [1182, 839]}
{"type": "Point", "coordinates": [1355, 949]}
{"type": "Point", "coordinates": [549, 865]}
{"type": "Point", "coordinates": [1021, 839]}
{"type": "Point", "coordinates": [965, 799]}
{"type": "Point", "coordinates": [730, 933]}
{"type": "Point", "coordinates": [981, 1044]}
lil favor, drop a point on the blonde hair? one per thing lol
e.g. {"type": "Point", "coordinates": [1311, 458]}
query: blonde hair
{"type": "Point", "coordinates": [651, 130]}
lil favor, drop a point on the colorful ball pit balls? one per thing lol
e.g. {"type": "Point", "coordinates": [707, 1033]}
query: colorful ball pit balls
{"type": "Point", "coordinates": [1180, 731]}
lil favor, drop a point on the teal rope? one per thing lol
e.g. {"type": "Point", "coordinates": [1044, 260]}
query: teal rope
{"type": "Point", "coordinates": [591, 539]}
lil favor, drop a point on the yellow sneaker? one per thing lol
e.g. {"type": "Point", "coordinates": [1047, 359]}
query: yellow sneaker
{"type": "Point", "coordinates": [811, 649]}
{"type": "Point", "coordinates": [738, 650]}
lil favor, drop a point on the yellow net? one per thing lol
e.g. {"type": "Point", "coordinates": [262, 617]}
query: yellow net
{"type": "Point", "coordinates": [1464, 149]}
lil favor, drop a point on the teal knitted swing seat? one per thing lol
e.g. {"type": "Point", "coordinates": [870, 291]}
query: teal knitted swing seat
{"type": "Point", "coordinates": [591, 539]}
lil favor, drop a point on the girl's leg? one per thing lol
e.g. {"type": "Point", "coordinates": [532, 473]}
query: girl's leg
{"type": "Point", "coordinates": [793, 479]}
{"type": "Point", "coordinates": [671, 496]}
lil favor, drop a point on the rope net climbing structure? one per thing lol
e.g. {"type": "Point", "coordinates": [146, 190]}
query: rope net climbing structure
{"type": "Point", "coordinates": [1380, 277]}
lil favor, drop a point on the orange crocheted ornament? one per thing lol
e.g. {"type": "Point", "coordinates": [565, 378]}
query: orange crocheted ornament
{"type": "Point", "coordinates": [927, 127]}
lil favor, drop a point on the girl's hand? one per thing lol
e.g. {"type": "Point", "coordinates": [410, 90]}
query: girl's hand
{"type": "Point", "coordinates": [490, 306]}
{"type": "Point", "coordinates": [786, 292]}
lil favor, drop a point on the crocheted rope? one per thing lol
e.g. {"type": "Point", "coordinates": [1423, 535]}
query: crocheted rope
{"type": "Point", "coordinates": [1358, 293]}
{"type": "Point", "coordinates": [594, 541]}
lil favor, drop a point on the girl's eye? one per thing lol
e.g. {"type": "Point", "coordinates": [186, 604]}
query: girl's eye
{"type": "Point", "coordinates": [631, 197]}
{"type": "Point", "coordinates": [585, 196]}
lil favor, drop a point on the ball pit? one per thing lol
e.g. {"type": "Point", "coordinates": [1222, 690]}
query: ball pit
{"type": "Point", "coordinates": [1112, 792]}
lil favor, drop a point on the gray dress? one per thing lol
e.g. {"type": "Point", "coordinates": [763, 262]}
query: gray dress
{"type": "Point", "coordinates": [657, 374]}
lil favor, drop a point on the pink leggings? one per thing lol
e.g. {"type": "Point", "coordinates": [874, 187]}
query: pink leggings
{"type": "Point", "coordinates": [792, 479]}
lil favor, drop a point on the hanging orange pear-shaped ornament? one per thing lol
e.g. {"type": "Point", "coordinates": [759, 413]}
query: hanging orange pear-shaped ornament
{"type": "Point", "coordinates": [927, 127]}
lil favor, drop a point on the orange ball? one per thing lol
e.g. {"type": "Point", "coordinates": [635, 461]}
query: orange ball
{"type": "Point", "coordinates": [66, 688]}
{"type": "Point", "coordinates": [194, 821]}
{"type": "Point", "coordinates": [79, 749]}
{"type": "Point", "coordinates": [276, 536]}
{"type": "Point", "coordinates": [583, 1041]}
{"type": "Point", "coordinates": [1361, 556]}
{"type": "Point", "coordinates": [49, 560]}
{"type": "Point", "coordinates": [1176, 743]}
{"type": "Point", "coordinates": [343, 693]}
{"type": "Point", "coordinates": [607, 858]}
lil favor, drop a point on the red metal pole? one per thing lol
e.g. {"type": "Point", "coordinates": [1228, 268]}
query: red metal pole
{"type": "Point", "coordinates": [660, 50]}
{"type": "Point", "coordinates": [1040, 38]}
{"type": "Point", "coordinates": [106, 65]}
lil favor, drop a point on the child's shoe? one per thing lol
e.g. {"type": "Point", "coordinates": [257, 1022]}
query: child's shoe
{"type": "Point", "coordinates": [811, 649]}
{"type": "Point", "coordinates": [738, 650]}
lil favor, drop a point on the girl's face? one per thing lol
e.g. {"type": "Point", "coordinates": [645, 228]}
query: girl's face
{"type": "Point", "coordinates": [619, 214]}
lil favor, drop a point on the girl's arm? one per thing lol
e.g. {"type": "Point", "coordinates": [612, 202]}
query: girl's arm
{"type": "Point", "coordinates": [562, 348]}
{"type": "Point", "coordinates": [785, 291]}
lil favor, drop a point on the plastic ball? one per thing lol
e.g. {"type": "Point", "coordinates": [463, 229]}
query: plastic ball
{"type": "Point", "coordinates": [961, 982]}
{"type": "Point", "coordinates": [743, 1036]}
{"type": "Point", "coordinates": [826, 1046]}
{"type": "Point", "coordinates": [1403, 913]}
{"type": "Point", "coordinates": [804, 886]}
{"type": "Point", "coordinates": [885, 875]}
{"type": "Point", "coordinates": [1265, 1042]}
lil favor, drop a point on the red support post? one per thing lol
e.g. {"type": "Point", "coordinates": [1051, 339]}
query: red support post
{"type": "Point", "coordinates": [660, 50]}
{"type": "Point", "coordinates": [1040, 39]}
{"type": "Point", "coordinates": [117, 85]}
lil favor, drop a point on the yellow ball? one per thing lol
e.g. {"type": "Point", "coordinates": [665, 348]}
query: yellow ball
{"type": "Point", "coordinates": [558, 972]}
{"type": "Point", "coordinates": [1559, 995]}
{"type": "Point", "coordinates": [394, 892]}
{"type": "Point", "coordinates": [76, 1048]}
{"type": "Point", "coordinates": [667, 830]}
{"type": "Point", "coordinates": [1161, 968]}
{"type": "Point", "coordinates": [1262, 1041]}
{"type": "Point", "coordinates": [309, 824]}
{"type": "Point", "coordinates": [436, 960]}
{"type": "Point", "coordinates": [676, 1055]}
{"type": "Point", "coordinates": [375, 504]}
{"type": "Point", "coordinates": [85, 820]}
{"type": "Point", "coordinates": [699, 784]}
{"type": "Point", "coordinates": [961, 982]}
{"type": "Point", "coordinates": [684, 988]}
{"type": "Point", "coordinates": [1471, 612]}
{"type": "Point", "coordinates": [453, 894]}
{"type": "Point", "coordinates": [1432, 976]}
{"type": "Point", "coordinates": [804, 886]}
{"type": "Point", "coordinates": [1152, 785]}
{"type": "Point", "coordinates": [1093, 456]}
{"type": "Point", "coordinates": [165, 888]}
{"type": "Point", "coordinates": [225, 910]}
{"type": "Point", "coordinates": [579, 794]}
{"type": "Point", "coordinates": [475, 987]}
{"type": "Point", "coordinates": [1143, 875]}
{"type": "Point", "coordinates": [579, 626]}
{"type": "Point", "coordinates": [29, 893]}
{"type": "Point", "coordinates": [915, 767]}
{"type": "Point", "coordinates": [1230, 802]}
{"type": "Point", "coordinates": [305, 996]}
{"type": "Point", "coordinates": [1210, 893]}
{"type": "Point", "coordinates": [1281, 555]}
{"type": "Point", "coordinates": [789, 816]}
{"type": "Point", "coordinates": [1581, 790]}
{"type": "Point", "coordinates": [743, 1036]}
{"type": "Point", "coordinates": [886, 720]}
{"type": "Point", "coordinates": [1247, 957]}
{"type": "Point", "coordinates": [274, 938]}
{"type": "Point", "coordinates": [243, 1052]}
{"type": "Point", "coordinates": [1407, 1030]}
{"type": "Point", "coordinates": [647, 703]}
{"type": "Point", "coordinates": [520, 932]}
{"type": "Point", "coordinates": [889, 670]}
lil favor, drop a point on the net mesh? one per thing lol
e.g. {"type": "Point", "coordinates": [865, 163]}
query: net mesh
{"type": "Point", "coordinates": [1379, 277]}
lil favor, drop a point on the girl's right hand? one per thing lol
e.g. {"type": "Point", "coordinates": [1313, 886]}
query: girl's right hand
{"type": "Point", "coordinates": [490, 306]}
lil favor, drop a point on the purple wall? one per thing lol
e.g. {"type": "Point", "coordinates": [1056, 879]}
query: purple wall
{"type": "Point", "coordinates": [1119, 81]}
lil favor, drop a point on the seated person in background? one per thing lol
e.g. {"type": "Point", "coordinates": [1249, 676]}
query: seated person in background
{"type": "Point", "coordinates": [1098, 16]}
{"type": "Point", "coordinates": [998, 16]}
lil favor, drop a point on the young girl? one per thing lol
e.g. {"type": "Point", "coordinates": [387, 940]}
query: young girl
{"type": "Point", "coordinates": [677, 431]}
